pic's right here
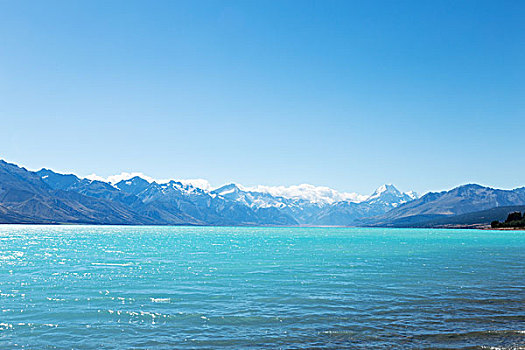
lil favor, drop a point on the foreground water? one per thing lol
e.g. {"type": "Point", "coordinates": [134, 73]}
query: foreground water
{"type": "Point", "coordinates": [89, 287]}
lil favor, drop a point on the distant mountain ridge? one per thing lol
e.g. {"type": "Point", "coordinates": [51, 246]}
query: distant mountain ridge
{"type": "Point", "coordinates": [46, 196]}
{"type": "Point", "coordinates": [41, 196]}
{"type": "Point", "coordinates": [26, 198]}
{"type": "Point", "coordinates": [440, 205]}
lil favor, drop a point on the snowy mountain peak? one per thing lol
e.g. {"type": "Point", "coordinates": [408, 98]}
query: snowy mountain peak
{"type": "Point", "coordinates": [390, 196]}
{"type": "Point", "coordinates": [385, 189]}
{"type": "Point", "coordinates": [227, 189]}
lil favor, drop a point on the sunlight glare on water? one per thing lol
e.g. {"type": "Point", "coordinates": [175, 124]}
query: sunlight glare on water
{"type": "Point", "coordinates": [92, 287]}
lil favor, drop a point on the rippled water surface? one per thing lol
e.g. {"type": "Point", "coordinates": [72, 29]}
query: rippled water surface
{"type": "Point", "coordinates": [92, 287]}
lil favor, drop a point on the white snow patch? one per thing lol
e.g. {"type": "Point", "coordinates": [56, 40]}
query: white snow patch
{"type": "Point", "coordinates": [412, 194]}
{"type": "Point", "coordinates": [223, 193]}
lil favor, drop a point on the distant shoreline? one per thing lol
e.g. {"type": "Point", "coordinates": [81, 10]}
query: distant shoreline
{"type": "Point", "coordinates": [505, 228]}
{"type": "Point", "coordinates": [484, 227]}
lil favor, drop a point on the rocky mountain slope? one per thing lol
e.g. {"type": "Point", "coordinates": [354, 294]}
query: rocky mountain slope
{"type": "Point", "coordinates": [26, 198]}
{"type": "Point", "coordinates": [438, 205]}
{"type": "Point", "coordinates": [477, 219]}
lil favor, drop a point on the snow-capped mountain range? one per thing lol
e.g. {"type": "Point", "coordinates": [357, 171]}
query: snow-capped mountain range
{"type": "Point", "coordinates": [138, 199]}
{"type": "Point", "coordinates": [307, 192]}
{"type": "Point", "coordinates": [46, 196]}
{"type": "Point", "coordinates": [194, 201]}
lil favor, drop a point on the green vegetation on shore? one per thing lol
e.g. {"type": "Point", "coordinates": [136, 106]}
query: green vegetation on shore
{"type": "Point", "coordinates": [514, 219]}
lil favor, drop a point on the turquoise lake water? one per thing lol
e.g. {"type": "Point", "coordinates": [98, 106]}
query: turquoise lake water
{"type": "Point", "coordinates": [100, 287]}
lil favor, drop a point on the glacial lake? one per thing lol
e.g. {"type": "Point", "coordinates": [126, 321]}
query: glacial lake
{"type": "Point", "coordinates": [118, 287]}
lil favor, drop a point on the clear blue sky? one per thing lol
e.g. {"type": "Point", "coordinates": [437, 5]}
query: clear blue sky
{"type": "Point", "coordinates": [348, 94]}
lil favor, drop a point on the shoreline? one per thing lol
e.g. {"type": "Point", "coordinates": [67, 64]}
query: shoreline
{"type": "Point", "coordinates": [474, 227]}
{"type": "Point", "coordinates": [505, 228]}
